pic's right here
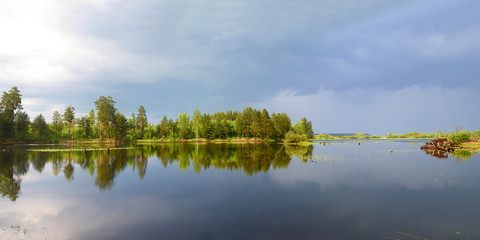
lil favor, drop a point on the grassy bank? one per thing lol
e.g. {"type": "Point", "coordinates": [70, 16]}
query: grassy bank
{"type": "Point", "coordinates": [472, 135]}
{"type": "Point", "coordinates": [77, 149]}
{"type": "Point", "coordinates": [366, 136]}
{"type": "Point", "coordinates": [473, 145]}
{"type": "Point", "coordinates": [302, 143]}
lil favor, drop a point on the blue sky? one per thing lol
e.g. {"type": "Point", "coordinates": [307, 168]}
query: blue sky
{"type": "Point", "coordinates": [349, 66]}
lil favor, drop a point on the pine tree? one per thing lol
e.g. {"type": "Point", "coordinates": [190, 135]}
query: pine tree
{"type": "Point", "coordinates": [11, 102]}
{"type": "Point", "coordinates": [57, 123]}
{"type": "Point", "coordinates": [281, 124]}
{"type": "Point", "coordinates": [184, 126]}
{"type": "Point", "coordinates": [40, 127]}
{"type": "Point", "coordinates": [121, 126]}
{"type": "Point", "coordinates": [105, 112]}
{"type": "Point", "coordinates": [141, 119]}
{"type": "Point", "coordinates": [69, 118]}
{"type": "Point", "coordinates": [266, 125]}
{"type": "Point", "coordinates": [196, 120]}
{"type": "Point", "coordinates": [163, 128]}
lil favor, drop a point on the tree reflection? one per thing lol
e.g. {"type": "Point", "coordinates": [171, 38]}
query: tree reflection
{"type": "Point", "coordinates": [105, 166]}
{"type": "Point", "coordinates": [302, 152]}
{"type": "Point", "coordinates": [463, 154]}
{"type": "Point", "coordinates": [460, 155]}
{"type": "Point", "coordinates": [436, 153]}
{"type": "Point", "coordinates": [12, 166]}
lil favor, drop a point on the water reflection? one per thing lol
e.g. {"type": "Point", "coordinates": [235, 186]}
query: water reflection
{"type": "Point", "coordinates": [463, 154]}
{"type": "Point", "coordinates": [345, 191]}
{"type": "Point", "coordinates": [436, 153]}
{"type": "Point", "coordinates": [105, 166]}
{"type": "Point", "coordinates": [460, 155]}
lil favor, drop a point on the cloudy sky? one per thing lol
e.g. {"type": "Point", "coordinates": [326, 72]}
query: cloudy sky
{"type": "Point", "coordinates": [369, 66]}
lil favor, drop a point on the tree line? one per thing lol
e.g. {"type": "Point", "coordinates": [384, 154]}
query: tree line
{"type": "Point", "coordinates": [105, 121]}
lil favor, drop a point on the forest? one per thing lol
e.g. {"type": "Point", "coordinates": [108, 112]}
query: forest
{"type": "Point", "coordinates": [104, 121]}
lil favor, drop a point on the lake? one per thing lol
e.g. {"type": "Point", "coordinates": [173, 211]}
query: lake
{"type": "Point", "coordinates": [378, 189]}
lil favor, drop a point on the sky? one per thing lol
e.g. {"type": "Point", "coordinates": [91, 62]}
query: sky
{"type": "Point", "coordinates": [372, 66]}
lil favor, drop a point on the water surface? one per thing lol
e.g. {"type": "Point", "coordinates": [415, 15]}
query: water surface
{"type": "Point", "coordinates": [341, 190]}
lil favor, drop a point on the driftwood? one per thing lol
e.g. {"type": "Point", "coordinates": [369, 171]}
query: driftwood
{"type": "Point", "coordinates": [438, 147]}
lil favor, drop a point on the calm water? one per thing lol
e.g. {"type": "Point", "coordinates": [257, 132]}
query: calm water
{"type": "Point", "coordinates": [340, 190]}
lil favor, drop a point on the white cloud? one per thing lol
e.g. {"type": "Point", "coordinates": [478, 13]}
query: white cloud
{"type": "Point", "coordinates": [32, 102]}
{"type": "Point", "coordinates": [59, 218]}
{"type": "Point", "coordinates": [46, 110]}
{"type": "Point", "coordinates": [370, 168]}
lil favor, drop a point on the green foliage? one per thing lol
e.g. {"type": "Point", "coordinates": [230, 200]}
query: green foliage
{"type": "Point", "coordinates": [244, 123]}
{"type": "Point", "coordinates": [84, 127]}
{"type": "Point", "coordinates": [141, 121]}
{"type": "Point", "coordinates": [57, 124]}
{"type": "Point", "coordinates": [196, 120]}
{"type": "Point", "coordinates": [205, 125]}
{"type": "Point", "coordinates": [105, 112]}
{"type": "Point", "coordinates": [22, 126]}
{"type": "Point", "coordinates": [476, 135]}
{"type": "Point", "coordinates": [267, 129]}
{"type": "Point", "coordinates": [163, 128]}
{"type": "Point", "coordinates": [460, 137]}
{"type": "Point", "coordinates": [40, 128]}
{"type": "Point", "coordinates": [121, 126]}
{"type": "Point", "coordinates": [11, 102]}
{"type": "Point", "coordinates": [250, 123]}
{"type": "Point", "coordinates": [281, 124]}
{"type": "Point", "coordinates": [172, 129]}
{"type": "Point", "coordinates": [304, 127]}
{"type": "Point", "coordinates": [323, 136]}
{"type": "Point", "coordinates": [69, 117]}
{"type": "Point", "coordinates": [414, 135]}
{"type": "Point", "coordinates": [183, 126]}
{"type": "Point", "coordinates": [91, 117]}
{"type": "Point", "coordinates": [3, 179]}
{"type": "Point", "coordinates": [292, 137]}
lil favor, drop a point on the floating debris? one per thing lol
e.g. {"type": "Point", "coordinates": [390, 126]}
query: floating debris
{"type": "Point", "coordinates": [439, 147]}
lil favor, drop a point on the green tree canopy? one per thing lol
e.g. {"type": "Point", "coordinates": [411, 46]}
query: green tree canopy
{"type": "Point", "coordinates": [11, 101]}
{"type": "Point", "coordinates": [281, 124]}
{"type": "Point", "coordinates": [141, 119]}
{"type": "Point", "coordinates": [163, 128]}
{"type": "Point", "coordinates": [84, 127]}
{"type": "Point", "coordinates": [69, 117]}
{"type": "Point", "coordinates": [105, 112]}
{"type": "Point", "coordinates": [304, 127]}
{"type": "Point", "coordinates": [121, 125]}
{"type": "Point", "coordinates": [22, 125]}
{"type": "Point", "coordinates": [184, 126]}
{"type": "Point", "coordinates": [57, 123]}
{"type": "Point", "coordinates": [40, 127]}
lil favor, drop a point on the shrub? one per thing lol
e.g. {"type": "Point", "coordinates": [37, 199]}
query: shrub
{"type": "Point", "coordinates": [323, 136]}
{"type": "Point", "coordinates": [292, 137]}
{"type": "Point", "coordinates": [476, 135]}
{"type": "Point", "coordinates": [460, 137]}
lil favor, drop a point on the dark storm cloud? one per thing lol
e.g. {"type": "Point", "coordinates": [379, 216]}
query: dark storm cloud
{"type": "Point", "coordinates": [175, 56]}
